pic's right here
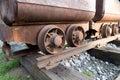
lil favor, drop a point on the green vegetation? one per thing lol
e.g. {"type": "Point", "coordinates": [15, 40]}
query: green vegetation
{"type": "Point", "coordinates": [88, 73]}
{"type": "Point", "coordinates": [8, 77]}
{"type": "Point", "coordinates": [66, 45]}
{"type": "Point", "coordinates": [7, 66]}
{"type": "Point", "coordinates": [26, 78]}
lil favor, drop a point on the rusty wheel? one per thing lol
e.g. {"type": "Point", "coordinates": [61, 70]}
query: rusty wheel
{"type": "Point", "coordinates": [115, 29]}
{"type": "Point", "coordinates": [75, 35]}
{"type": "Point", "coordinates": [106, 30]}
{"type": "Point", "coordinates": [51, 39]}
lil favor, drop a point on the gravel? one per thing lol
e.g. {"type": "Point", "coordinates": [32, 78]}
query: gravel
{"type": "Point", "coordinates": [100, 70]}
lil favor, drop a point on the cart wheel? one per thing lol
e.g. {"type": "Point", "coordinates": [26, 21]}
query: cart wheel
{"type": "Point", "coordinates": [106, 30]}
{"type": "Point", "coordinates": [115, 29]}
{"type": "Point", "coordinates": [51, 39]}
{"type": "Point", "coordinates": [75, 35]}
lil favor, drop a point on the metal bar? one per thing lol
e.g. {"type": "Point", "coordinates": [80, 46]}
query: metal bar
{"type": "Point", "coordinates": [74, 51]}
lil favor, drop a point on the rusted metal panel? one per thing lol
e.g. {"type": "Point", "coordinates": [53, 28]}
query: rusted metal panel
{"type": "Point", "coordinates": [112, 6]}
{"type": "Point", "coordinates": [5, 32]}
{"type": "Point", "coordinates": [29, 33]}
{"type": "Point", "coordinates": [50, 14]}
{"type": "Point", "coordinates": [26, 34]}
{"type": "Point", "coordinates": [73, 4]}
{"type": "Point", "coordinates": [46, 11]}
{"type": "Point", "coordinates": [111, 17]}
{"type": "Point", "coordinates": [108, 10]}
{"type": "Point", "coordinates": [112, 10]}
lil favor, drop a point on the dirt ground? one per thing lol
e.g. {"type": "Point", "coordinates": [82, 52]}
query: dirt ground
{"type": "Point", "coordinates": [21, 72]}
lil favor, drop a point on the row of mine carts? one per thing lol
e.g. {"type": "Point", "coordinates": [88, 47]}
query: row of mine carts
{"type": "Point", "coordinates": [49, 24]}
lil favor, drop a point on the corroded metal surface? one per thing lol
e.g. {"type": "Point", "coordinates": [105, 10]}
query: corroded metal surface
{"type": "Point", "coordinates": [47, 39]}
{"type": "Point", "coordinates": [75, 35]}
{"type": "Point", "coordinates": [100, 10]}
{"type": "Point", "coordinates": [115, 29]}
{"type": "Point", "coordinates": [6, 48]}
{"type": "Point", "coordinates": [106, 30]}
{"type": "Point", "coordinates": [107, 10]}
{"type": "Point", "coordinates": [23, 11]}
{"type": "Point", "coordinates": [28, 33]}
{"type": "Point", "coordinates": [73, 51]}
{"type": "Point", "coordinates": [73, 4]}
{"type": "Point", "coordinates": [28, 18]}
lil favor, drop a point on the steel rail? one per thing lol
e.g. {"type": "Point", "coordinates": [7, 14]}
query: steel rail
{"type": "Point", "coordinates": [50, 60]}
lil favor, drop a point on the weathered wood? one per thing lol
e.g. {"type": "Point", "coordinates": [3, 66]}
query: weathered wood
{"type": "Point", "coordinates": [109, 54]}
{"type": "Point", "coordinates": [58, 73]}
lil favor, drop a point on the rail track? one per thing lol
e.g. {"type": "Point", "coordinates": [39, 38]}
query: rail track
{"type": "Point", "coordinates": [50, 61]}
{"type": "Point", "coordinates": [47, 66]}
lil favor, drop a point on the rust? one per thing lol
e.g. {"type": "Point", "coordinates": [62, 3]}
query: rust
{"type": "Point", "coordinates": [107, 10]}
{"type": "Point", "coordinates": [46, 39]}
{"type": "Point", "coordinates": [100, 10]}
{"type": "Point", "coordinates": [22, 33]}
{"type": "Point", "coordinates": [115, 29]}
{"type": "Point", "coordinates": [6, 48]}
{"type": "Point", "coordinates": [73, 51]}
{"type": "Point", "coordinates": [57, 40]}
{"type": "Point", "coordinates": [44, 22]}
{"type": "Point", "coordinates": [106, 30]}
{"type": "Point", "coordinates": [75, 35]}
{"type": "Point", "coordinates": [22, 11]}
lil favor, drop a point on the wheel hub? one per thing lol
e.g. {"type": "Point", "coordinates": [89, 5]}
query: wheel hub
{"type": "Point", "coordinates": [57, 40]}
{"type": "Point", "coordinates": [79, 35]}
{"type": "Point", "coordinates": [109, 31]}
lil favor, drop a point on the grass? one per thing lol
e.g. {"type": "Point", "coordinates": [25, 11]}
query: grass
{"type": "Point", "coordinates": [2, 59]}
{"type": "Point", "coordinates": [26, 78]}
{"type": "Point", "coordinates": [7, 66]}
{"type": "Point", "coordinates": [88, 73]}
{"type": "Point", "coordinates": [8, 77]}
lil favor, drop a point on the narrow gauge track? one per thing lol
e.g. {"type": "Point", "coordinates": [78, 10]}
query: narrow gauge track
{"type": "Point", "coordinates": [45, 67]}
{"type": "Point", "coordinates": [48, 61]}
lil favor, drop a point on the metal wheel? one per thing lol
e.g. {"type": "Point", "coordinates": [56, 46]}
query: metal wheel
{"type": "Point", "coordinates": [51, 39]}
{"type": "Point", "coordinates": [75, 35]}
{"type": "Point", "coordinates": [115, 29]}
{"type": "Point", "coordinates": [106, 30]}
